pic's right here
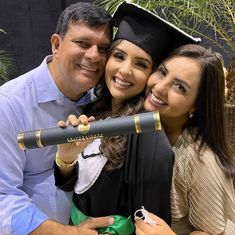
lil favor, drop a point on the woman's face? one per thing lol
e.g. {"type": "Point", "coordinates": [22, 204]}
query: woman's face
{"type": "Point", "coordinates": [127, 71]}
{"type": "Point", "coordinates": [173, 88]}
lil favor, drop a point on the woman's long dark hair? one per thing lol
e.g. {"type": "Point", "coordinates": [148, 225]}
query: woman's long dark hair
{"type": "Point", "coordinates": [113, 148]}
{"type": "Point", "coordinates": [209, 117]}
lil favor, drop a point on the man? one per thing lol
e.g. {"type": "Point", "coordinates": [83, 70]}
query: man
{"type": "Point", "coordinates": [61, 85]}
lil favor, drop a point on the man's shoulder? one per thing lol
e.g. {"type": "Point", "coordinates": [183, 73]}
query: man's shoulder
{"type": "Point", "coordinates": [21, 84]}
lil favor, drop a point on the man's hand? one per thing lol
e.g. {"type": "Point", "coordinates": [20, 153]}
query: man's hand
{"type": "Point", "coordinates": [88, 227]}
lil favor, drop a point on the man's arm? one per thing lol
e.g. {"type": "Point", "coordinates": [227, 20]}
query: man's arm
{"type": "Point", "coordinates": [18, 213]}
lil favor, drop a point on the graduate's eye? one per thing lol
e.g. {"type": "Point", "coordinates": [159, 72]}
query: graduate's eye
{"type": "Point", "coordinates": [142, 64]}
{"type": "Point", "coordinates": [118, 55]}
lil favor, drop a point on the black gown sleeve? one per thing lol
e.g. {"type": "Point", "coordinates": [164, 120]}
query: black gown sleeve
{"type": "Point", "coordinates": [67, 184]}
{"type": "Point", "coordinates": [148, 171]}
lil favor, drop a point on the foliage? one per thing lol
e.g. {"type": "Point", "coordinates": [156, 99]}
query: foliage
{"type": "Point", "coordinates": [6, 64]}
{"type": "Point", "coordinates": [192, 16]}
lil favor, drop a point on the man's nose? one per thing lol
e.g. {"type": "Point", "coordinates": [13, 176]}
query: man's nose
{"type": "Point", "coordinates": [93, 53]}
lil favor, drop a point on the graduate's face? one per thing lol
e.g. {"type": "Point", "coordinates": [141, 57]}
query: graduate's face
{"type": "Point", "coordinates": [173, 88]}
{"type": "Point", "coordinates": [127, 71]}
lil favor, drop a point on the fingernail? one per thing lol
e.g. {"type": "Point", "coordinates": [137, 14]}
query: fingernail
{"type": "Point", "coordinates": [111, 220]}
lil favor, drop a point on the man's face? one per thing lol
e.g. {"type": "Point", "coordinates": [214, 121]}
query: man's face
{"type": "Point", "coordinates": [80, 58]}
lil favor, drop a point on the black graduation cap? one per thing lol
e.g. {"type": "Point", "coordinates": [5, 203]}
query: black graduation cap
{"type": "Point", "coordinates": [149, 31]}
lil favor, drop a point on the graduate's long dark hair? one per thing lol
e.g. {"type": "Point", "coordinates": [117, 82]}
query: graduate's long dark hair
{"type": "Point", "coordinates": [209, 118]}
{"type": "Point", "coordinates": [113, 148]}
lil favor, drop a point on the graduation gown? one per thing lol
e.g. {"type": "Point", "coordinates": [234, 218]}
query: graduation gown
{"type": "Point", "coordinates": [143, 180]}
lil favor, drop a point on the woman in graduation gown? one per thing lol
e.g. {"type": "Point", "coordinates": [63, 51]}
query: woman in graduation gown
{"type": "Point", "coordinates": [141, 176]}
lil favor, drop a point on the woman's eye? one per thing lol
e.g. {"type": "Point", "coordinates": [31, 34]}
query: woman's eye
{"type": "Point", "coordinates": [142, 65]}
{"type": "Point", "coordinates": [118, 56]}
{"type": "Point", "coordinates": [180, 88]}
{"type": "Point", "coordinates": [161, 70]}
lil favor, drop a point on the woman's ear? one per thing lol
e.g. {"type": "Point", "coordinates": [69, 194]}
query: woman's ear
{"type": "Point", "coordinates": [191, 111]}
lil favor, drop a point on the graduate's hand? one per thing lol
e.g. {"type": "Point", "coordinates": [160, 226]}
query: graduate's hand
{"type": "Point", "coordinates": [160, 228]}
{"type": "Point", "coordinates": [69, 152]}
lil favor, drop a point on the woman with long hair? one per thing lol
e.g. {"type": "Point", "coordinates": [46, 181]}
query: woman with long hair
{"type": "Point", "coordinates": [188, 91]}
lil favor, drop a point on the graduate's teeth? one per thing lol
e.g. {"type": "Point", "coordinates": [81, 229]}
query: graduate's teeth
{"type": "Point", "coordinates": [120, 82]}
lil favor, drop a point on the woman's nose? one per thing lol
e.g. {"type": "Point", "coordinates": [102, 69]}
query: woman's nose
{"type": "Point", "coordinates": [126, 69]}
{"type": "Point", "coordinates": [161, 87]}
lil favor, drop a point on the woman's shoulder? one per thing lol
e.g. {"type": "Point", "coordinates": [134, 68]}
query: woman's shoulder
{"type": "Point", "coordinates": [200, 168]}
{"type": "Point", "coordinates": [187, 150]}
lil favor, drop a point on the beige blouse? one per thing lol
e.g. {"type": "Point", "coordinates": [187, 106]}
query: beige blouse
{"type": "Point", "coordinates": [202, 197]}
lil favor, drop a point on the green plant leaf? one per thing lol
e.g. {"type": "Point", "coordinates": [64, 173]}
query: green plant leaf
{"type": "Point", "coordinates": [6, 65]}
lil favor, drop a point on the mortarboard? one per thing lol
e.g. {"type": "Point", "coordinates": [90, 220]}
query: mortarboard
{"type": "Point", "coordinates": [155, 35]}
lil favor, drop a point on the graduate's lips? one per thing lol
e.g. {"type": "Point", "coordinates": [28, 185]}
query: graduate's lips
{"type": "Point", "coordinates": [121, 83]}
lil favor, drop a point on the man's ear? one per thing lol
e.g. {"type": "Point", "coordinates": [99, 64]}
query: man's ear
{"type": "Point", "coordinates": [55, 43]}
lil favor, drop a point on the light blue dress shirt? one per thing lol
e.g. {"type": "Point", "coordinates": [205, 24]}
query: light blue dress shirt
{"type": "Point", "coordinates": [28, 195]}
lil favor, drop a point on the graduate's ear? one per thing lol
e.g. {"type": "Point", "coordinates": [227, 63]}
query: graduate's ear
{"type": "Point", "coordinates": [55, 43]}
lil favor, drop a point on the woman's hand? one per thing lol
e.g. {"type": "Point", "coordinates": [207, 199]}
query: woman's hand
{"type": "Point", "coordinates": [68, 152]}
{"type": "Point", "coordinates": [160, 228]}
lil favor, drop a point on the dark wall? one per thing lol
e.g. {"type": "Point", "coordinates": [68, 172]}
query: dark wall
{"type": "Point", "coordinates": [29, 25]}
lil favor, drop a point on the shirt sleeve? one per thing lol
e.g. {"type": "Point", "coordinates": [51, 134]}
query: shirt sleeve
{"type": "Point", "coordinates": [18, 214]}
{"type": "Point", "coordinates": [207, 195]}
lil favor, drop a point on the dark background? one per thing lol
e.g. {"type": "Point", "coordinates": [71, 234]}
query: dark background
{"type": "Point", "coordinates": [29, 25]}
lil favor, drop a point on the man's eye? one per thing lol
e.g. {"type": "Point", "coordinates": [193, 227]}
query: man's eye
{"type": "Point", "coordinates": [83, 44]}
{"type": "Point", "coordinates": [103, 50]}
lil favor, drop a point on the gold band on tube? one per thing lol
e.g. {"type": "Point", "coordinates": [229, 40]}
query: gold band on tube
{"type": "Point", "coordinates": [20, 139]}
{"type": "Point", "coordinates": [38, 139]}
{"type": "Point", "coordinates": [137, 124]}
{"type": "Point", "coordinates": [157, 121]}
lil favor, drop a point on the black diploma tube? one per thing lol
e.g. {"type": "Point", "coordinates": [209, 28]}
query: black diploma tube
{"type": "Point", "coordinates": [137, 123]}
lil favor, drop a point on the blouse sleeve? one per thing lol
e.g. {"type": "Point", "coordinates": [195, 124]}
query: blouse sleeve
{"type": "Point", "coordinates": [208, 195]}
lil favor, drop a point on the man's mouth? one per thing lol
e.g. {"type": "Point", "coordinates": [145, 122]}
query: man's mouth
{"type": "Point", "coordinates": [89, 69]}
